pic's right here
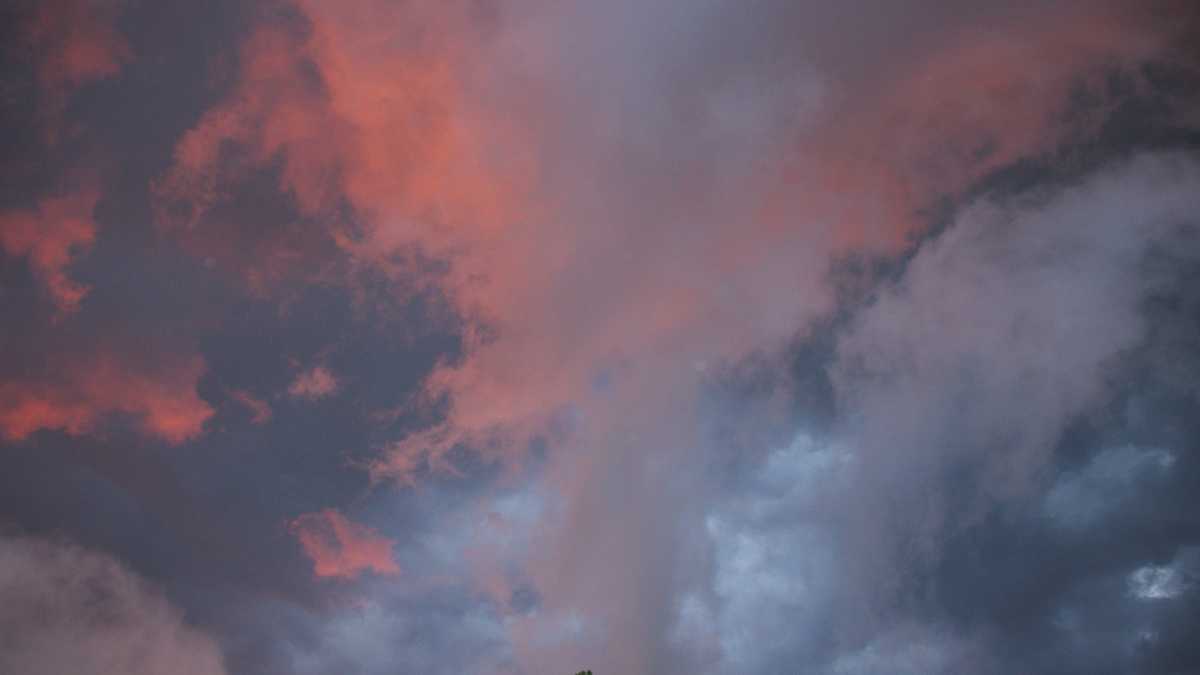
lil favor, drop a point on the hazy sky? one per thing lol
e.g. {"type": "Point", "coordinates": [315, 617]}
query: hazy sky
{"type": "Point", "coordinates": [647, 336]}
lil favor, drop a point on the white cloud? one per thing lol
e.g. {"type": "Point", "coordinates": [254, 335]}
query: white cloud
{"type": "Point", "coordinates": [774, 572]}
{"type": "Point", "coordinates": [1164, 582]}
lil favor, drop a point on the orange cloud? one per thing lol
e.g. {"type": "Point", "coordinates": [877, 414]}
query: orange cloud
{"type": "Point", "coordinates": [163, 402]}
{"type": "Point", "coordinates": [50, 236]}
{"type": "Point", "coordinates": [340, 548]}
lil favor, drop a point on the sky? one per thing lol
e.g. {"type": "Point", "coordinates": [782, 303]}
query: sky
{"type": "Point", "coordinates": [650, 337]}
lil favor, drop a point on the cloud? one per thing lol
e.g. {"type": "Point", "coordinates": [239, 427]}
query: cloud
{"type": "Point", "coordinates": [260, 410]}
{"type": "Point", "coordinates": [315, 383]}
{"type": "Point", "coordinates": [1082, 499]}
{"type": "Point", "coordinates": [633, 227]}
{"type": "Point", "coordinates": [76, 42]}
{"type": "Point", "coordinates": [73, 43]}
{"type": "Point", "coordinates": [1004, 328]}
{"type": "Point", "coordinates": [67, 609]}
{"type": "Point", "coordinates": [162, 400]}
{"type": "Point", "coordinates": [582, 233]}
{"type": "Point", "coordinates": [955, 386]}
{"type": "Point", "coordinates": [428, 636]}
{"type": "Point", "coordinates": [958, 382]}
{"type": "Point", "coordinates": [346, 113]}
{"type": "Point", "coordinates": [50, 237]}
{"type": "Point", "coordinates": [719, 263]}
{"type": "Point", "coordinates": [909, 650]}
{"type": "Point", "coordinates": [342, 549]}
{"type": "Point", "coordinates": [1170, 581]}
{"type": "Point", "coordinates": [887, 149]}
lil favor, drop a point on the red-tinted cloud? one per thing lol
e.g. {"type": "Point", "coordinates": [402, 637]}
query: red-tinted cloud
{"type": "Point", "coordinates": [50, 236]}
{"type": "Point", "coordinates": [163, 401]}
{"type": "Point", "coordinates": [340, 548]}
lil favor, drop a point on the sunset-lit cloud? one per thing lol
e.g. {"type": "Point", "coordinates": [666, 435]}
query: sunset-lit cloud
{"type": "Point", "coordinates": [340, 548]}
{"type": "Point", "coordinates": [49, 237]}
{"type": "Point", "coordinates": [163, 402]}
{"type": "Point", "coordinates": [645, 336]}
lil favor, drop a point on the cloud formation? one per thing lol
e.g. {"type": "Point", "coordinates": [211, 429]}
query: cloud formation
{"type": "Point", "coordinates": [68, 609]}
{"type": "Point", "coordinates": [260, 410]}
{"type": "Point", "coordinates": [49, 237]}
{"type": "Point", "coordinates": [317, 382]}
{"type": "Point", "coordinates": [340, 548]}
{"type": "Point", "coordinates": [644, 336]}
{"type": "Point", "coordinates": [163, 401]}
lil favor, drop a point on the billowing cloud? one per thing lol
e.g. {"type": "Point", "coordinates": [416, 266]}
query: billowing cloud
{"type": "Point", "coordinates": [66, 609]}
{"type": "Point", "coordinates": [340, 548]}
{"type": "Point", "coordinates": [1050, 288]}
{"type": "Point", "coordinates": [685, 258]}
{"type": "Point", "coordinates": [648, 336]}
{"type": "Point", "coordinates": [1164, 583]}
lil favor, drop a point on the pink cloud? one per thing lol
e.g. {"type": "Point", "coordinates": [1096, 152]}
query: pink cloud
{"type": "Point", "coordinates": [77, 42]}
{"type": "Point", "coordinates": [561, 272]}
{"type": "Point", "coordinates": [340, 548]}
{"type": "Point", "coordinates": [315, 383]}
{"type": "Point", "coordinates": [50, 236]}
{"type": "Point", "coordinates": [163, 401]}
